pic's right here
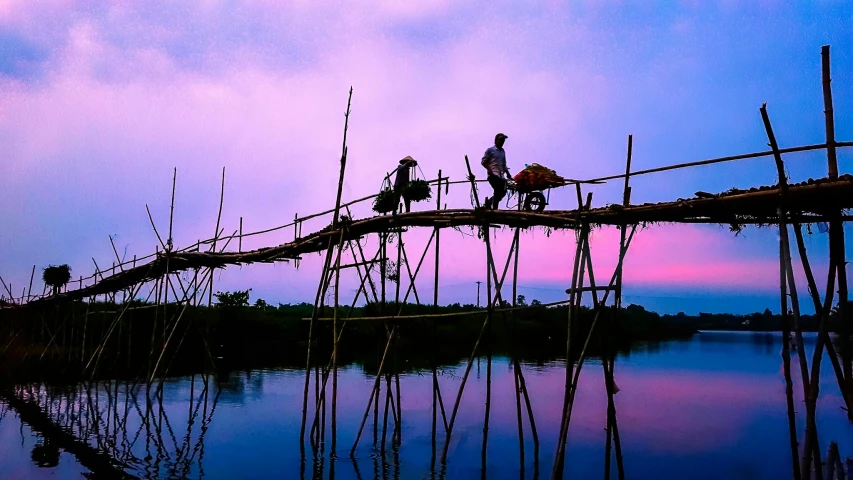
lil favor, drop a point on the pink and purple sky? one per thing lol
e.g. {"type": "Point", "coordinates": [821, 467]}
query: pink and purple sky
{"type": "Point", "coordinates": [101, 101]}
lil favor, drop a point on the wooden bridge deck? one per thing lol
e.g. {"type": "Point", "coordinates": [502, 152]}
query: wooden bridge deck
{"type": "Point", "coordinates": [808, 201]}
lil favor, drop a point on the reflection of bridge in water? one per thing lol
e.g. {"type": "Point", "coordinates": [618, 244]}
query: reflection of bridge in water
{"type": "Point", "coordinates": [118, 429]}
{"type": "Point", "coordinates": [178, 279]}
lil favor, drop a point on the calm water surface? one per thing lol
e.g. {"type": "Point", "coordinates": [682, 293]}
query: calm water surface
{"type": "Point", "coordinates": [706, 408]}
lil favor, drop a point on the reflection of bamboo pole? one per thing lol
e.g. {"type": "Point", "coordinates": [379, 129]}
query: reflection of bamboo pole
{"type": "Point", "coordinates": [398, 425]}
{"type": "Point", "coordinates": [488, 360]}
{"type": "Point", "coordinates": [374, 393]}
{"type": "Point", "coordinates": [461, 389]}
{"type": "Point", "coordinates": [608, 363]}
{"type": "Point", "coordinates": [822, 311]}
{"type": "Point", "coordinates": [335, 346]}
{"type": "Point", "coordinates": [786, 363]}
{"type": "Point", "coordinates": [385, 415]}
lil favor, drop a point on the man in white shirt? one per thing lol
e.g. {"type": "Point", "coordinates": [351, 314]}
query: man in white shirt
{"type": "Point", "coordinates": [494, 161]}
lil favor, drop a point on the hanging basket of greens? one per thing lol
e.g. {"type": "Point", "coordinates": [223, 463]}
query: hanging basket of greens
{"type": "Point", "coordinates": [385, 202]}
{"type": "Point", "coordinates": [417, 191]}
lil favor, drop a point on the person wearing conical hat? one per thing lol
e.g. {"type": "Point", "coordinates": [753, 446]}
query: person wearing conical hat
{"type": "Point", "coordinates": [403, 177]}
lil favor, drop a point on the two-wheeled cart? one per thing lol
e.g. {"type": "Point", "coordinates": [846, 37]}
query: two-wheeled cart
{"type": "Point", "coordinates": [532, 199]}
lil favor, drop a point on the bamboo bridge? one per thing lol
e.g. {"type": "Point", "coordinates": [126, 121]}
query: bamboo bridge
{"type": "Point", "coordinates": [825, 198]}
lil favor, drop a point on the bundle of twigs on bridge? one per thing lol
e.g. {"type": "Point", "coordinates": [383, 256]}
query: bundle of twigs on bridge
{"type": "Point", "coordinates": [537, 177]}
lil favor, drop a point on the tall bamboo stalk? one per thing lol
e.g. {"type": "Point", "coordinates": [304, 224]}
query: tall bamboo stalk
{"type": "Point", "coordinates": [216, 233]}
{"type": "Point", "coordinates": [320, 288]}
{"type": "Point", "coordinates": [836, 231]}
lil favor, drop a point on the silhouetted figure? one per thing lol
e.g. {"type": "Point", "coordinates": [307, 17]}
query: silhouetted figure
{"type": "Point", "coordinates": [494, 161]}
{"type": "Point", "coordinates": [404, 176]}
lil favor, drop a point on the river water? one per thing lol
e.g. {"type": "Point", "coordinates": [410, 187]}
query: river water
{"type": "Point", "coordinates": [709, 407]}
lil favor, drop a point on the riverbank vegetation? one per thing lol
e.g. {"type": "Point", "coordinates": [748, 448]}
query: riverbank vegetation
{"type": "Point", "coordinates": [150, 340]}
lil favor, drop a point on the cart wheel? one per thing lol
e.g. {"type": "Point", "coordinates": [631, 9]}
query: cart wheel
{"type": "Point", "coordinates": [535, 202]}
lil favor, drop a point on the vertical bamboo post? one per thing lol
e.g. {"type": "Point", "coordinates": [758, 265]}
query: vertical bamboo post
{"type": "Point", "coordinates": [30, 289]}
{"type": "Point", "coordinates": [383, 238]}
{"type": "Point", "coordinates": [828, 113]}
{"type": "Point", "coordinates": [399, 259]}
{"type": "Point", "coordinates": [434, 389]}
{"type": "Point", "coordinates": [172, 208]}
{"type": "Point", "coordinates": [240, 238]}
{"type": "Point", "coordinates": [437, 247]}
{"type": "Point", "coordinates": [626, 198]}
{"type": "Point", "coordinates": [216, 235]}
{"type": "Point", "coordinates": [836, 227]}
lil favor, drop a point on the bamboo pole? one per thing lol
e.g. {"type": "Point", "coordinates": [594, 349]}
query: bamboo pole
{"type": "Point", "coordinates": [836, 228]}
{"type": "Point", "coordinates": [320, 288]}
{"type": "Point", "coordinates": [626, 198]}
{"type": "Point", "coordinates": [414, 276]}
{"type": "Point", "coordinates": [572, 389]}
{"type": "Point", "coordinates": [810, 441]}
{"type": "Point", "coordinates": [437, 249]}
{"type": "Point", "coordinates": [786, 362]}
{"type": "Point", "coordinates": [557, 467]}
{"type": "Point", "coordinates": [489, 269]}
{"type": "Point", "coordinates": [375, 391]}
{"type": "Point", "coordinates": [822, 311]}
{"type": "Point", "coordinates": [458, 314]}
{"type": "Point", "coordinates": [216, 233]}
{"type": "Point", "coordinates": [30, 289]}
{"type": "Point", "coordinates": [172, 208]}
{"type": "Point", "coordinates": [476, 344]}
{"type": "Point", "coordinates": [335, 344]}
{"type": "Point", "coordinates": [828, 112]}
{"type": "Point", "coordinates": [766, 153]}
